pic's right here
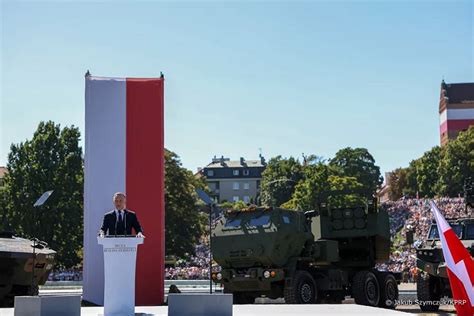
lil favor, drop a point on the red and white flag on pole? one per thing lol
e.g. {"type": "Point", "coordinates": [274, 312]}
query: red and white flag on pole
{"type": "Point", "coordinates": [460, 265]}
{"type": "Point", "coordinates": [124, 151]}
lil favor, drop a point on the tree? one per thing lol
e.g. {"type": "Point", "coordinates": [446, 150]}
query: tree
{"type": "Point", "coordinates": [456, 164]}
{"type": "Point", "coordinates": [323, 184]}
{"type": "Point", "coordinates": [427, 171]}
{"type": "Point", "coordinates": [184, 223]}
{"type": "Point", "coordinates": [279, 180]}
{"type": "Point", "coordinates": [309, 192]}
{"type": "Point", "coordinates": [441, 171]}
{"type": "Point", "coordinates": [51, 160]}
{"type": "Point", "coordinates": [358, 163]}
{"type": "Point", "coordinates": [3, 209]}
{"type": "Point", "coordinates": [233, 205]}
{"type": "Point", "coordinates": [411, 188]}
{"type": "Point", "coordinates": [397, 182]}
{"type": "Point", "coordinates": [346, 192]}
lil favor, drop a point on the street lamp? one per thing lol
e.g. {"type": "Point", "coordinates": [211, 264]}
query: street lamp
{"type": "Point", "coordinates": [37, 204]}
{"type": "Point", "coordinates": [209, 202]}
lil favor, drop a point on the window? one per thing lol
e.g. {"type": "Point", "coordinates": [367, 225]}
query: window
{"type": "Point", "coordinates": [212, 186]}
{"type": "Point", "coordinates": [246, 186]}
{"type": "Point", "coordinates": [233, 223]}
{"type": "Point", "coordinates": [286, 219]}
{"type": "Point", "coordinates": [246, 172]}
{"type": "Point", "coordinates": [210, 173]}
{"type": "Point", "coordinates": [235, 198]}
{"type": "Point", "coordinates": [470, 231]}
{"type": "Point", "coordinates": [434, 234]}
{"type": "Point", "coordinates": [235, 186]}
{"type": "Point", "coordinates": [236, 172]}
{"type": "Point", "coordinates": [247, 199]}
{"type": "Point", "coordinates": [260, 221]}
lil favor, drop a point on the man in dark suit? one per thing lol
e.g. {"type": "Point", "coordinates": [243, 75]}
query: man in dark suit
{"type": "Point", "coordinates": [120, 221]}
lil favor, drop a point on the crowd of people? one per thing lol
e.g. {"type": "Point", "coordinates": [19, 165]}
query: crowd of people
{"type": "Point", "coordinates": [195, 267]}
{"type": "Point", "coordinates": [66, 275]}
{"type": "Point", "coordinates": [406, 214]}
{"type": "Point", "coordinates": [415, 215]}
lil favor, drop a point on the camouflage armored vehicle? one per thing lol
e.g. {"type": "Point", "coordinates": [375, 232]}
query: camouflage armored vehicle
{"type": "Point", "coordinates": [432, 281]}
{"type": "Point", "coordinates": [305, 257]}
{"type": "Point", "coordinates": [16, 262]}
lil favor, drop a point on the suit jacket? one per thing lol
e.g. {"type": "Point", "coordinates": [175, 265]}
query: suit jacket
{"type": "Point", "coordinates": [130, 219]}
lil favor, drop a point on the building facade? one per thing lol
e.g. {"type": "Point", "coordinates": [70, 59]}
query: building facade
{"type": "Point", "coordinates": [232, 181]}
{"type": "Point", "coordinates": [3, 172]}
{"type": "Point", "coordinates": [456, 109]}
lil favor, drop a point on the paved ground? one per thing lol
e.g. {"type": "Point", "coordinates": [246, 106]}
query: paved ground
{"type": "Point", "coordinates": [347, 308]}
{"type": "Point", "coordinates": [262, 305]}
{"type": "Point", "coordinates": [259, 310]}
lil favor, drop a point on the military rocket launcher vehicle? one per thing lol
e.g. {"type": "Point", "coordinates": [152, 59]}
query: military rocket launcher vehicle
{"type": "Point", "coordinates": [306, 257]}
{"type": "Point", "coordinates": [432, 282]}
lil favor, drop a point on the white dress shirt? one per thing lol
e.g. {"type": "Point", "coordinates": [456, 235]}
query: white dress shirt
{"type": "Point", "coordinates": [121, 212]}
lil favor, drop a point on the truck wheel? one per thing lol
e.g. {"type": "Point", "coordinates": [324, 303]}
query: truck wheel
{"type": "Point", "coordinates": [33, 290]}
{"type": "Point", "coordinates": [427, 291]}
{"type": "Point", "coordinates": [365, 289]}
{"type": "Point", "coordinates": [388, 290]}
{"type": "Point", "coordinates": [243, 298]}
{"type": "Point", "coordinates": [302, 290]}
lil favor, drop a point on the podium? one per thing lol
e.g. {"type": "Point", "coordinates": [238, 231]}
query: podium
{"type": "Point", "coordinates": [120, 255]}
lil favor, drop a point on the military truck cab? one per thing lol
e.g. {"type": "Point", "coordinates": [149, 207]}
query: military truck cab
{"type": "Point", "coordinates": [432, 281]}
{"type": "Point", "coordinates": [305, 257]}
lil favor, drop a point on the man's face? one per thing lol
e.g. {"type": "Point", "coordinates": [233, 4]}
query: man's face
{"type": "Point", "coordinates": [119, 202]}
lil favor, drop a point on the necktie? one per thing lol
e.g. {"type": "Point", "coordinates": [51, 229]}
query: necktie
{"type": "Point", "coordinates": [120, 224]}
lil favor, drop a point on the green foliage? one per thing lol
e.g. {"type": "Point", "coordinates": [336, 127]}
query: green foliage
{"type": "Point", "coordinates": [349, 179]}
{"type": "Point", "coordinates": [184, 223]}
{"type": "Point", "coordinates": [457, 164]}
{"type": "Point", "coordinates": [358, 163]}
{"type": "Point", "coordinates": [52, 160]}
{"type": "Point", "coordinates": [279, 180]}
{"type": "Point", "coordinates": [233, 205]}
{"type": "Point", "coordinates": [309, 192]}
{"type": "Point", "coordinates": [441, 171]}
{"type": "Point", "coordinates": [411, 179]}
{"type": "Point", "coordinates": [3, 209]}
{"type": "Point", "coordinates": [421, 175]}
{"type": "Point", "coordinates": [345, 184]}
{"type": "Point", "coordinates": [398, 182]}
{"type": "Point", "coordinates": [427, 172]}
{"type": "Point", "coordinates": [323, 184]}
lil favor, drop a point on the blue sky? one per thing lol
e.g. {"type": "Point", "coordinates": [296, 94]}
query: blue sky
{"type": "Point", "coordinates": [287, 77]}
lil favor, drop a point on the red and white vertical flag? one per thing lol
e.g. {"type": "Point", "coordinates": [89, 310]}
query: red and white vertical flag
{"type": "Point", "coordinates": [124, 151]}
{"type": "Point", "coordinates": [459, 263]}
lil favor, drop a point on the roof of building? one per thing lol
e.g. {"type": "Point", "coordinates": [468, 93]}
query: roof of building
{"type": "Point", "coordinates": [242, 163]}
{"type": "Point", "coordinates": [3, 171]}
{"type": "Point", "coordinates": [459, 92]}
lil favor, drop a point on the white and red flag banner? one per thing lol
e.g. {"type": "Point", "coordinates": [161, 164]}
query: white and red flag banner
{"type": "Point", "coordinates": [124, 151]}
{"type": "Point", "coordinates": [460, 265]}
